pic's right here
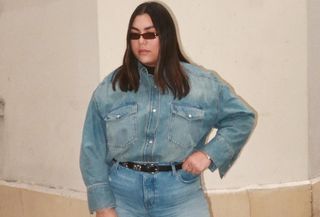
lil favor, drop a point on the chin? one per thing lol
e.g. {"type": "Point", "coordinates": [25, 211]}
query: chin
{"type": "Point", "coordinates": [147, 62]}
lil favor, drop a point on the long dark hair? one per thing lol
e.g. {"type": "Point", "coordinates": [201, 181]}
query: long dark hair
{"type": "Point", "coordinates": [168, 73]}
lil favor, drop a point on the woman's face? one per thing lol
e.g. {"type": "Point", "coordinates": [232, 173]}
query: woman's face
{"type": "Point", "coordinates": [145, 50]}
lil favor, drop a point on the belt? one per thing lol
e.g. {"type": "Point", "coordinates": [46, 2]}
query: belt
{"type": "Point", "coordinates": [149, 167]}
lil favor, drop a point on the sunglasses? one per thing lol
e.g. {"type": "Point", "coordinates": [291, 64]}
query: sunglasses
{"type": "Point", "coordinates": [147, 35]}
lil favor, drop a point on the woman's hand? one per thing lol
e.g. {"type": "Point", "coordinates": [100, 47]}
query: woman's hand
{"type": "Point", "coordinates": [196, 163]}
{"type": "Point", "coordinates": [107, 212]}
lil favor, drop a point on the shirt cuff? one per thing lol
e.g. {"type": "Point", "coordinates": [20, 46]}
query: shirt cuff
{"type": "Point", "coordinates": [212, 167]}
{"type": "Point", "coordinates": [100, 196]}
{"type": "Point", "coordinates": [219, 151]}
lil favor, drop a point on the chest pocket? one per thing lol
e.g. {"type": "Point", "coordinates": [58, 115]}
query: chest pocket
{"type": "Point", "coordinates": [186, 125]}
{"type": "Point", "coordinates": [121, 126]}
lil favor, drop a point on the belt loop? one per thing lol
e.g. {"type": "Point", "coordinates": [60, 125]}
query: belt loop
{"type": "Point", "coordinates": [116, 165]}
{"type": "Point", "coordinates": [174, 171]}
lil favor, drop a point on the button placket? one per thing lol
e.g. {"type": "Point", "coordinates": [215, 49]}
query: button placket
{"type": "Point", "coordinates": [152, 123]}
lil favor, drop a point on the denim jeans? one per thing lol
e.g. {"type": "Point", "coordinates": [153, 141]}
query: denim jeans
{"type": "Point", "coordinates": [163, 194]}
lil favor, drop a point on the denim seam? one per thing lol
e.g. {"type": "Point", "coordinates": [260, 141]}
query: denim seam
{"type": "Point", "coordinates": [96, 185]}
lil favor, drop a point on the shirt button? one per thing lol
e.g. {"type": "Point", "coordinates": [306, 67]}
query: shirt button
{"type": "Point", "coordinates": [150, 141]}
{"type": "Point", "coordinates": [154, 110]}
{"type": "Point", "coordinates": [118, 116]}
{"type": "Point", "coordinates": [190, 116]}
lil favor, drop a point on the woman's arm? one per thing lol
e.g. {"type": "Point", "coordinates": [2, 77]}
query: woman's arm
{"type": "Point", "coordinates": [92, 160]}
{"type": "Point", "coordinates": [235, 122]}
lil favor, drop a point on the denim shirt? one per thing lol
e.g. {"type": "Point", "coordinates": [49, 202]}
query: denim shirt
{"type": "Point", "coordinates": [147, 126]}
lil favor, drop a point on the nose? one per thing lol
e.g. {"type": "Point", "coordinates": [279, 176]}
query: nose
{"type": "Point", "coordinates": [142, 40]}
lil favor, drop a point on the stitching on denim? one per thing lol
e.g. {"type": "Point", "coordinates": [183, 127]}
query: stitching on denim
{"type": "Point", "coordinates": [96, 185]}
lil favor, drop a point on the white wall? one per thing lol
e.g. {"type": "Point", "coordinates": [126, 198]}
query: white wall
{"type": "Point", "coordinates": [260, 47]}
{"type": "Point", "coordinates": [48, 68]}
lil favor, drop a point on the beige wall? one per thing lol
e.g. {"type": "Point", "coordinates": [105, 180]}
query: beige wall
{"type": "Point", "coordinates": [48, 68]}
{"type": "Point", "coordinates": [260, 47]}
{"type": "Point", "coordinates": [313, 86]}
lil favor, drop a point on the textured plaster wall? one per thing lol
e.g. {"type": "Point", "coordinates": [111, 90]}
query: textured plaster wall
{"type": "Point", "coordinates": [48, 68]}
{"type": "Point", "coordinates": [314, 87]}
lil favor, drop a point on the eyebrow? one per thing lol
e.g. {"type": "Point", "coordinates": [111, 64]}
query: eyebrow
{"type": "Point", "coordinates": [147, 28]}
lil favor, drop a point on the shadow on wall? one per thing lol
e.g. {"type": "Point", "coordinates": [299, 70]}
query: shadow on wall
{"type": "Point", "coordinates": [1, 107]}
{"type": "Point", "coordinates": [2, 104]}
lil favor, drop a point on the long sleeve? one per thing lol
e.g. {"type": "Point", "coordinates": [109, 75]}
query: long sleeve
{"type": "Point", "coordinates": [235, 121]}
{"type": "Point", "coordinates": [93, 164]}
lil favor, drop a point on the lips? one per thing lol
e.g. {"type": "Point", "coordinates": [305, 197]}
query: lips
{"type": "Point", "coordinates": [144, 51]}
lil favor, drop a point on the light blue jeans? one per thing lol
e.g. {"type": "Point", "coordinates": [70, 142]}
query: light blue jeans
{"type": "Point", "coordinates": [163, 194]}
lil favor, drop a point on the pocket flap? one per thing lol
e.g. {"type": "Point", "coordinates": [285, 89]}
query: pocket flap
{"type": "Point", "coordinates": [188, 112]}
{"type": "Point", "coordinates": [122, 112]}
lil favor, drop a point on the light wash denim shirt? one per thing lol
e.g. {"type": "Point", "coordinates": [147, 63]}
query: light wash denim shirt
{"type": "Point", "coordinates": [147, 126]}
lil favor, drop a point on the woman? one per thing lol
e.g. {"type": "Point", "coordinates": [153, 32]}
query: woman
{"type": "Point", "coordinates": [143, 146]}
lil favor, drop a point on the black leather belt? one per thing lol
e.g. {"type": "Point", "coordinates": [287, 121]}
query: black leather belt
{"type": "Point", "coordinates": [149, 167]}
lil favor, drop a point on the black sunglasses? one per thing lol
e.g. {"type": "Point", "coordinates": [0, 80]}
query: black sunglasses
{"type": "Point", "coordinates": [146, 35]}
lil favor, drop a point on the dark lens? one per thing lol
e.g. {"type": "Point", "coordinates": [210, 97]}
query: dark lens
{"type": "Point", "coordinates": [134, 36]}
{"type": "Point", "coordinates": [149, 35]}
